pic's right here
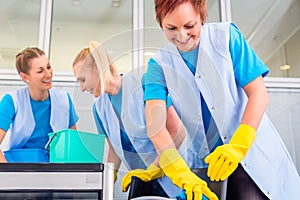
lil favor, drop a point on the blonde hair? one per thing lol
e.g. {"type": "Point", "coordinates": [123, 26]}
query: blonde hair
{"type": "Point", "coordinates": [86, 56]}
{"type": "Point", "coordinates": [97, 54]}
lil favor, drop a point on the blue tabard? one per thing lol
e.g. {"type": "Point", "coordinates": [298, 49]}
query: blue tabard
{"type": "Point", "coordinates": [268, 161]}
{"type": "Point", "coordinates": [134, 123]}
{"type": "Point", "coordinates": [24, 124]}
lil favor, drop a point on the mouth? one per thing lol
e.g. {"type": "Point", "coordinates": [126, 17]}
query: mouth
{"type": "Point", "coordinates": [47, 81]}
{"type": "Point", "coordinates": [90, 91]}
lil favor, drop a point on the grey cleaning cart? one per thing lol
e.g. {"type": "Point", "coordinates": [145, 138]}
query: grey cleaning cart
{"type": "Point", "coordinates": [56, 181]}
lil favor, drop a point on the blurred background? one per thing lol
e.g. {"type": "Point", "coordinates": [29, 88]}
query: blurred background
{"type": "Point", "coordinates": [62, 28]}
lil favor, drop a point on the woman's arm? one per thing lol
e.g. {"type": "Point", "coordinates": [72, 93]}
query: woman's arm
{"type": "Point", "coordinates": [175, 127]}
{"type": "Point", "coordinates": [73, 117]}
{"type": "Point", "coordinates": [112, 156]}
{"type": "Point", "coordinates": [156, 118]}
{"type": "Point", "coordinates": [2, 135]}
{"type": "Point", "coordinates": [258, 101]}
{"type": "Point", "coordinates": [225, 159]}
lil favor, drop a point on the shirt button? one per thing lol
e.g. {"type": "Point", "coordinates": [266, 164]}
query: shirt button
{"type": "Point", "coordinates": [224, 137]}
{"type": "Point", "coordinates": [198, 76]}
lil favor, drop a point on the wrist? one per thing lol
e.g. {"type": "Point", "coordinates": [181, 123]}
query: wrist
{"type": "Point", "coordinates": [153, 167]}
{"type": "Point", "coordinates": [243, 134]}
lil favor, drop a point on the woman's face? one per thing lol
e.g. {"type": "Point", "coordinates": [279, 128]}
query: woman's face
{"type": "Point", "coordinates": [182, 27]}
{"type": "Point", "coordinates": [40, 74]}
{"type": "Point", "coordinates": [88, 78]}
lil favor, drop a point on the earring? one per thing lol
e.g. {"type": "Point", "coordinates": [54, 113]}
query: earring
{"type": "Point", "coordinates": [27, 81]}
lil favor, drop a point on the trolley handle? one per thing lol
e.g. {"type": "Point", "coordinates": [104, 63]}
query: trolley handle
{"type": "Point", "coordinates": [47, 146]}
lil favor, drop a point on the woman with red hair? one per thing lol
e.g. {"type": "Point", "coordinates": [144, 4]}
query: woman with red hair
{"type": "Point", "coordinates": [215, 81]}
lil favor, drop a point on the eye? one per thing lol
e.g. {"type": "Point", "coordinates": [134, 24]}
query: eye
{"type": "Point", "coordinates": [81, 80]}
{"type": "Point", "coordinates": [171, 28]}
{"type": "Point", "coordinates": [190, 26]}
{"type": "Point", "coordinates": [49, 67]}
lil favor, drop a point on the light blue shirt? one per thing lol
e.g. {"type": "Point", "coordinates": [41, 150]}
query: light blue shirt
{"type": "Point", "coordinates": [41, 113]}
{"type": "Point", "coordinates": [246, 64]}
{"type": "Point", "coordinates": [122, 118]}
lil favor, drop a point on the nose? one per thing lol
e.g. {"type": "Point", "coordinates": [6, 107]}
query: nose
{"type": "Point", "coordinates": [182, 34]}
{"type": "Point", "coordinates": [48, 72]}
{"type": "Point", "coordinates": [183, 31]}
{"type": "Point", "coordinates": [82, 87]}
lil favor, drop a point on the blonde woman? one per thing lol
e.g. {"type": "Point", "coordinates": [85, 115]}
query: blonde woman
{"type": "Point", "coordinates": [119, 114]}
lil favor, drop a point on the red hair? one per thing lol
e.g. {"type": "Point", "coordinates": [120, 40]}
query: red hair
{"type": "Point", "coordinates": [163, 7]}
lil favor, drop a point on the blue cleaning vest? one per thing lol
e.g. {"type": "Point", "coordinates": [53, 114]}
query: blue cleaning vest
{"type": "Point", "coordinates": [134, 122]}
{"type": "Point", "coordinates": [24, 124]}
{"type": "Point", "coordinates": [268, 161]}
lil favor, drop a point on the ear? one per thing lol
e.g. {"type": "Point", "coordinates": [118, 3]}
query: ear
{"type": "Point", "coordinates": [95, 65]}
{"type": "Point", "coordinates": [24, 77]}
{"type": "Point", "coordinates": [95, 68]}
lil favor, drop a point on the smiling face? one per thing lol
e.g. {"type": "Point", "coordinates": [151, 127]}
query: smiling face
{"type": "Point", "coordinates": [182, 27]}
{"type": "Point", "coordinates": [88, 78]}
{"type": "Point", "coordinates": [39, 76]}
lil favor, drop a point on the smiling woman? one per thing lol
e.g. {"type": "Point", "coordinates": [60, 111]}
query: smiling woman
{"type": "Point", "coordinates": [92, 83]}
{"type": "Point", "coordinates": [28, 114]}
{"type": "Point", "coordinates": [34, 68]}
{"type": "Point", "coordinates": [185, 34]}
{"type": "Point", "coordinates": [208, 69]}
{"type": "Point", "coordinates": [119, 114]}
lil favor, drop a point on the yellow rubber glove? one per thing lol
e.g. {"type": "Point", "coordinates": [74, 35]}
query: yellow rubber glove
{"type": "Point", "coordinates": [151, 173]}
{"type": "Point", "coordinates": [180, 174]}
{"type": "Point", "coordinates": [225, 159]}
